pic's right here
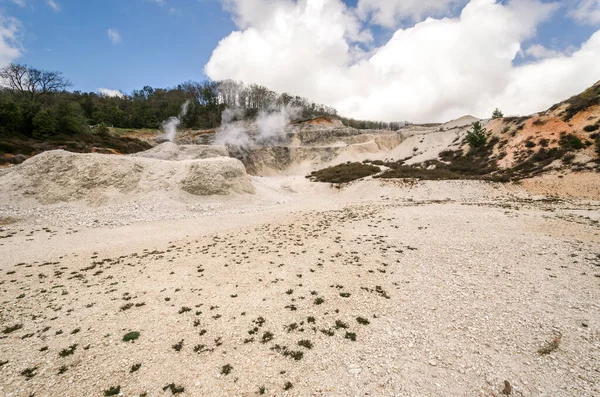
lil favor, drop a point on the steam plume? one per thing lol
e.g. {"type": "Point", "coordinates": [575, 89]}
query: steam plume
{"type": "Point", "coordinates": [170, 125]}
{"type": "Point", "coordinates": [267, 129]}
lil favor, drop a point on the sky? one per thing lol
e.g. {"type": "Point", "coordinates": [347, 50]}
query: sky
{"type": "Point", "coordinates": [391, 60]}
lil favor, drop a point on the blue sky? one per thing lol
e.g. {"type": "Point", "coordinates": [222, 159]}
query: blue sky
{"type": "Point", "coordinates": [165, 42]}
{"type": "Point", "coordinates": [160, 45]}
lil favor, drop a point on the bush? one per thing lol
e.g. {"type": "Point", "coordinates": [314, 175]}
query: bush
{"type": "Point", "coordinates": [497, 114]}
{"type": "Point", "coordinates": [344, 173]}
{"type": "Point", "coordinates": [570, 142]}
{"type": "Point", "coordinates": [592, 127]}
{"type": "Point", "coordinates": [44, 125]}
{"type": "Point", "coordinates": [102, 129]}
{"type": "Point", "coordinates": [477, 136]}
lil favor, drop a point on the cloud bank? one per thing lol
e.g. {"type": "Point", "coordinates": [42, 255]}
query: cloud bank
{"type": "Point", "coordinates": [110, 93]}
{"type": "Point", "coordinates": [10, 46]}
{"type": "Point", "coordinates": [438, 69]}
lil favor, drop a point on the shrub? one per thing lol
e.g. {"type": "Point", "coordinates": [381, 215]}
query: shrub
{"type": "Point", "coordinates": [570, 142]}
{"type": "Point", "coordinates": [497, 114]}
{"type": "Point", "coordinates": [102, 129]}
{"type": "Point", "coordinates": [343, 173]}
{"type": "Point", "coordinates": [131, 336]}
{"type": "Point", "coordinates": [477, 136]}
{"type": "Point", "coordinates": [592, 127]}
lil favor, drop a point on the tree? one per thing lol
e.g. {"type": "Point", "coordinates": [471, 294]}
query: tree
{"type": "Point", "coordinates": [31, 83]}
{"type": "Point", "coordinates": [70, 118]}
{"type": "Point", "coordinates": [477, 136]}
{"type": "Point", "coordinates": [44, 124]}
{"type": "Point", "coordinates": [497, 114]}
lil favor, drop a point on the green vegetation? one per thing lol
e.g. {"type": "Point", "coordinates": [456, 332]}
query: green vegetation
{"type": "Point", "coordinates": [344, 173]}
{"type": "Point", "coordinates": [174, 389]}
{"type": "Point", "coordinates": [569, 142]}
{"type": "Point", "coordinates": [113, 391]}
{"type": "Point", "coordinates": [497, 114]}
{"type": "Point", "coordinates": [581, 102]}
{"type": "Point", "coordinates": [477, 136]}
{"type": "Point", "coordinates": [69, 351]}
{"type": "Point", "coordinates": [131, 336]}
{"type": "Point", "coordinates": [226, 369]}
{"type": "Point", "coordinates": [550, 346]}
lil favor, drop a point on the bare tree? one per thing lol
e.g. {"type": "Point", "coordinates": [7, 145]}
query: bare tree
{"type": "Point", "coordinates": [32, 83]}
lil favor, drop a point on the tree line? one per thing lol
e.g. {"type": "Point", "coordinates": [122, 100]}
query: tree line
{"type": "Point", "coordinates": [36, 103]}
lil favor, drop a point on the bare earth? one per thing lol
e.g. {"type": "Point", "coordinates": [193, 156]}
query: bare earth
{"type": "Point", "coordinates": [403, 289]}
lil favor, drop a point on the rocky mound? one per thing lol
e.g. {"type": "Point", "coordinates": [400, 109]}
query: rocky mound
{"type": "Point", "coordinates": [173, 152]}
{"type": "Point", "coordinates": [60, 176]}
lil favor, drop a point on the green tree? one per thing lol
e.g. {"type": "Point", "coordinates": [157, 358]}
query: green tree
{"type": "Point", "coordinates": [497, 114]}
{"type": "Point", "coordinates": [12, 118]}
{"type": "Point", "coordinates": [70, 118]}
{"type": "Point", "coordinates": [477, 136]}
{"type": "Point", "coordinates": [44, 124]}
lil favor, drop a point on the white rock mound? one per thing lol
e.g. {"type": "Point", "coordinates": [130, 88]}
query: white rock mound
{"type": "Point", "coordinates": [59, 176]}
{"type": "Point", "coordinates": [173, 152]}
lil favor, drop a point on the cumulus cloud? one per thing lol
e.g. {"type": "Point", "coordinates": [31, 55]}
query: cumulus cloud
{"type": "Point", "coordinates": [52, 4]}
{"type": "Point", "coordinates": [436, 70]}
{"type": "Point", "coordinates": [538, 51]}
{"type": "Point", "coordinates": [114, 36]}
{"type": "Point", "coordinates": [389, 12]}
{"type": "Point", "coordinates": [110, 93]}
{"type": "Point", "coordinates": [586, 11]}
{"type": "Point", "coordinates": [10, 46]}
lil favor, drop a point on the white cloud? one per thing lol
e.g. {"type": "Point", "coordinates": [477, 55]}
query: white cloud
{"type": "Point", "coordinates": [20, 3]}
{"type": "Point", "coordinates": [538, 51]}
{"type": "Point", "coordinates": [110, 93]}
{"type": "Point", "coordinates": [114, 36]}
{"type": "Point", "coordinates": [389, 12]}
{"type": "Point", "coordinates": [52, 4]}
{"type": "Point", "coordinates": [10, 45]}
{"type": "Point", "coordinates": [586, 11]}
{"type": "Point", "coordinates": [436, 70]}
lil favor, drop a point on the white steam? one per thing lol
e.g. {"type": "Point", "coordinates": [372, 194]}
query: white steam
{"type": "Point", "coordinates": [269, 127]}
{"type": "Point", "coordinates": [170, 125]}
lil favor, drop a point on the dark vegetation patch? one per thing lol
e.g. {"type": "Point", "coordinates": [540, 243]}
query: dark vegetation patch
{"type": "Point", "coordinates": [131, 336]}
{"type": "Point", "coordinates": [343, 173]}
{"type": "Point", "coordinates": [174, 389]}
{"type": "Point", "coordinates": [581, 102]}
{"type": "Point", "coordinates": [84, 142]}
{"type": "Point", "coordinates": [112, 391]}
{"type": "Point", "coordinates": [12, 328]}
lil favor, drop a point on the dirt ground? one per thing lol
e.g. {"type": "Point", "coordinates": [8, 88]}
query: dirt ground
{"type": "Point", "coordinates": [379, 288]}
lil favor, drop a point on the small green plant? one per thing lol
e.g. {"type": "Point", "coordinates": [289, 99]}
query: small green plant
{"type": "Point", "coordinates": [267, 337]}
{"type": "Point", "coordinates": [178, 346]}
{"type": "Point", "coordinates": [29, 373]}
{"type": "Point", "coordinates": [62, 369]}
{"type": "Point", "coordinates": [174, 389]}
{"type": "Point", "coordinates": [497, 114]}
{"type": "Point", "coordinates": [477, 136]}
{"type": "Point", "coordinates": [262, 390]}
{"type": "Point", "coordinates": [131, 336]}
{"type": "Point", "coordinates": [134, 368]}
{"type": "Point", "coordinates": [344, 294]}
{"type": "Point", "coordinates": [306, 343]}
{"type": "Point", "coordinates": [340, 324]}
{"type": "Point", "coordinates": [539, 122]}
{"type": "Point", "coordinates": [311, 320]}
{"type": "Point", "coordinates": [184, 310]}
{"type": "Point", "coordinates": [226, 369]}
{"type": "Point", "coordinates": [351, 336]}
{"type": "Point", "coordinates": [67, 352]}
{"type": "Point", "coordinates": [362, 321]}
{"type": "Point", "coordinates": [319, 301]}
{"type": "Point", "coordinates": [288, 385]}
{"type": "Point", "coordinates": [113, 391]}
